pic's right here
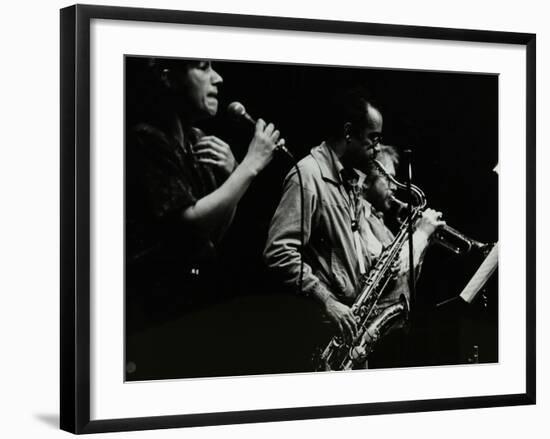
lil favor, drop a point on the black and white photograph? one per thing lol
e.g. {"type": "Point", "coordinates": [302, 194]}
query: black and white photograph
{"type": "Point", "coordinates": [272, 219]}
{"type": "Point", "coordinates": [275, 220]}
{"type": "Point", "coordinates": [285, 218]}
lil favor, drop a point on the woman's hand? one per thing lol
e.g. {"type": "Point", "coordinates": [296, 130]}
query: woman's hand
{"type": "Point", "coordinates": [260, 150]}
{"type": "Point", "coordinates": [214, 151]}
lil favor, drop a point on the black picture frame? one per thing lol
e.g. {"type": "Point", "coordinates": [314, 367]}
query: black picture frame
{"type": "Point", "coordinates": [75, 217]}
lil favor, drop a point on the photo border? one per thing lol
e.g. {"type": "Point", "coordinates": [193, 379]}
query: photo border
{"type": "Point", "coordinates": [75, 217]}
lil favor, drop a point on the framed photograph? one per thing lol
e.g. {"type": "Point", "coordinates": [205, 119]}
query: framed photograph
{"type": "Point", "coordinates": [268, 218]}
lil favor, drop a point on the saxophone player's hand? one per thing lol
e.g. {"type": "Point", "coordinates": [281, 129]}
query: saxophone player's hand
{"type": "Point", "coordinates": [342, 317]}
{"type": "Point", "coordinates": [395, 269]}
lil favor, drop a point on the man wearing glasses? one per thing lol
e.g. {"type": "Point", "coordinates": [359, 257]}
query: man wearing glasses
{"type": "Point", "coordinates": [378, 191]}
{"type": "Point", "coordinates": [334, 255]}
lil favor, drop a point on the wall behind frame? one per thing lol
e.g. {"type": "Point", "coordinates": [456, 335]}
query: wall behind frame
{"type": "Point", "coordinates": [30, 345]}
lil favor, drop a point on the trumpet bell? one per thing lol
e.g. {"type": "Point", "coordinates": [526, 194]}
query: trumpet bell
{"type": "Point", "coordinates": [457, 242]}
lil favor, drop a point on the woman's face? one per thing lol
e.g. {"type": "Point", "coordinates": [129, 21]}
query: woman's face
{"type": "Point", "coordinates": [198, 85]}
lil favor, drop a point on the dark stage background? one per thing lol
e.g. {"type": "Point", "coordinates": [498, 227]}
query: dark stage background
{"type": "Point", "coordinates": [448, 120]}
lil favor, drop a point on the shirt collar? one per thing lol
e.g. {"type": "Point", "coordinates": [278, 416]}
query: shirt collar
{"type": "Point", "coordinates": [332, 168]}
{"type": "Point", "coordinates": [370, 210]}
{"type": "Point", "coordinates": [349, 176]}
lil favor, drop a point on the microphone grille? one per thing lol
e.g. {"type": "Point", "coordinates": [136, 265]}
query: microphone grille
{"type": "Point", "coordinates": [236, 109]}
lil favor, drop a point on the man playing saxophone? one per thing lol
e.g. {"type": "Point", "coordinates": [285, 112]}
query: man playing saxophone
{"type": "Point", "coordinates": [334, 258]}
{"type": "Point", "coordinates": [336, 250]}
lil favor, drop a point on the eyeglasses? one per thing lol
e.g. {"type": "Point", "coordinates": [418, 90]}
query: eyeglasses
{"type": "Point", "coordinates": [375, 138]}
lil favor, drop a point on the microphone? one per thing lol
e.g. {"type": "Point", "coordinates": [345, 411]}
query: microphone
{"type": "Point", "coordinates": [238, 112]}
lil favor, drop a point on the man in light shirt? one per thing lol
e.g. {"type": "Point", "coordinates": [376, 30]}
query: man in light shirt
{"type": "Point", "coordinates": [378, 193]}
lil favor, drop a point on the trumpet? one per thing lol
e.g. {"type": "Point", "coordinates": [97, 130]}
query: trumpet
{"type": "Point", "coordinates": [445, 236]}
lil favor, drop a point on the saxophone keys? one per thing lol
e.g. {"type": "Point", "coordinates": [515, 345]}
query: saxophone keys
{"type": "Point", "coordinates": [358, 354]}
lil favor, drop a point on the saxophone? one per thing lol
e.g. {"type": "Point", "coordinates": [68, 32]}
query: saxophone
{"type": "Point", "coordinates": [371, 320]}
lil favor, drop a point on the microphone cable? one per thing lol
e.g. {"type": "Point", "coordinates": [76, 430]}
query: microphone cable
{"type": "Point", "coordinates": [238, 111]}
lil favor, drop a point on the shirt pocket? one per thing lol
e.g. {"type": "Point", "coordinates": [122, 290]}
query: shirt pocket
{"type": "Point", "coordinates": [341, 280]}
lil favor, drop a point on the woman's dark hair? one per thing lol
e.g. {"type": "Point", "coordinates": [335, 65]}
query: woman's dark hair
{"type": "Point", "coordinates": [147, 96]}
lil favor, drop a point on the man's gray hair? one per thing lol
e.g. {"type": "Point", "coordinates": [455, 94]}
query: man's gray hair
{"type": "Point", "coordinates": [384, 152]}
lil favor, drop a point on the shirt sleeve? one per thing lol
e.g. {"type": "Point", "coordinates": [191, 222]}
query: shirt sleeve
{"type": "Point", "coordinates": [166, 187]}
{"type": "Point", "coordinates": [282, 251]}
{"type": "Point", "coordinates": [420, 244]}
